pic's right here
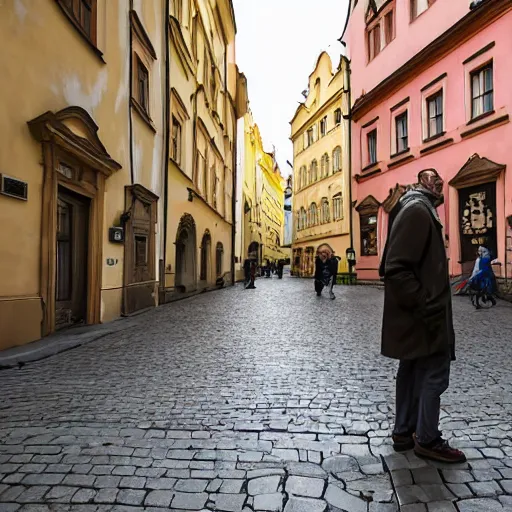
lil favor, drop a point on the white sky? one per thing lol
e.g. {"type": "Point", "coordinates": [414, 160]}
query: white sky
{"type": "Point", "coordinates": [278, 43]}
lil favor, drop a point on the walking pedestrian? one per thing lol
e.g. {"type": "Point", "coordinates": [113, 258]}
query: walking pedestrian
{"type": "Point", "coordinates": [417, 324]}
{"type": "Point", "coordinates": [483, 280]}
{"type": "Point", "coordinates": [252, 275]}
{"type": "Point", "coordinates": [268, 269]}
{"type": "Point", "coordinates": [247, 272]}
{"type": "Point", "coordinates": [326, 270]}
{"type": "Point", "coordinates": [280, 268]}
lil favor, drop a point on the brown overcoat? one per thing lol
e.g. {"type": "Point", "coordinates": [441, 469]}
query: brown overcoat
{"type": "Point", "coordinates": [417, 304]}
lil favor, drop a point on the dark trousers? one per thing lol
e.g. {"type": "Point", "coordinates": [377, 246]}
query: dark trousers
{"type": "Point", "coordinates": [419, 386]}
{"type": "Point", "coordinates": [319, 285]}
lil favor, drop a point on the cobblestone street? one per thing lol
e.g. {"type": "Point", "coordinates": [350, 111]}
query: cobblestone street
{"type": "Point", "coordinates": [262, 400]}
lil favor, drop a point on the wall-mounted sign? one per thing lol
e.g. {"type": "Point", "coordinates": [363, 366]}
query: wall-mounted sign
{"type": "Point", "coordinates": [116, 235]}
{"type": "Point", "coordinates": [13, 187]}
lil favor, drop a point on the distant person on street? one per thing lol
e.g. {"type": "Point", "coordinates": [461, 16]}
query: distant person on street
{"type": "Point", "coordinates": [268, 269]}
{"type": "Point", "coordinates": [252, 275]}
{"type": "Point", "coordinates": [326, 270]}
{"type": "Point", "coordinates": [483, 280]}
{"type": "Point", "coordinates": [247, 272]}
{"type": "Point", "coordinates": [417, 325]}
{"type": "Point", "coordinates": [280, 268]}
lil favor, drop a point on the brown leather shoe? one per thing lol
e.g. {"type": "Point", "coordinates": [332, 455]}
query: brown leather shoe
{"type": "Point", "coordinates": [402, 443]}
{"type": "Point", "coordinates": [440, 451]}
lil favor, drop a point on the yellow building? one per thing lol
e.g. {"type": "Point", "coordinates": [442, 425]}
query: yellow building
{"type": "Point", "coordinates": [207, 96]}
{"type": "Point", "coordinates": [272, 209]}
{"type": "Point", "coordinates": [260, 200]}
{"type": "Point", "coordinates": [320, 136]}
{"type": "Point", "coordinates": [82, 150]}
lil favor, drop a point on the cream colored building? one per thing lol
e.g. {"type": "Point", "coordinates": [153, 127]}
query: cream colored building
{"type": "Point", "coordinates": [116, 158]}
{"type": "Point", "coordinates": [321, 168]}
{"type": "Point", "coordinates": [81, 151]}
{"type": "Point", "coordinates": [207, 97]}
{"type": "Point", "coordinates": [260, 200]}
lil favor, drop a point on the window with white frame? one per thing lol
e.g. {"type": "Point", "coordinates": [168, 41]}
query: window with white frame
{"type": "Point", "coordinates": [435, 114]}
{"type": "Point", "coordinates": [419, 7]}
{"type": "Point", "coordinates": [336, 159]}
{"type": "Point", "coordinates": [482, 91]}
{"type": "Point", "coordinates": [313, 214]}
{"type": "Point", "coordinates": [337, 116]}
{"type": "Point", "coordinates": [176, 140]}
{"type": "Point", "coordinates": [314, 171]}
{"type": "Point", "coordinates": [326, 218]}
{"type": "Point", "coordinates": [324, 166]}
{"type": "Point", "coordinates": [337, 207]}
{"type": "Point", "coordinates": [402, 133]}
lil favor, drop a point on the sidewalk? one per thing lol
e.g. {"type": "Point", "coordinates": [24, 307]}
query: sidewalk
{"type": "Point", "coordinates": [60, 342]}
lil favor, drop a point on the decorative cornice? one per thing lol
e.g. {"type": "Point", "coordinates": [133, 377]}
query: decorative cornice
{"type": "Point", "coordinates": [138, 28]}
{"type": "Point", "coordinates": [50, 127]}
{"type": "Point", "coordinates": [466, 28]}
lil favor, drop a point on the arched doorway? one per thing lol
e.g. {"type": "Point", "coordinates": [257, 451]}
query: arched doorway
{"type": "Point", "coordinates": [186, 255]}
{"type": "Point", "coordinates": [219, 256]}
{"type": "Point", "coordinates": [206, 245]}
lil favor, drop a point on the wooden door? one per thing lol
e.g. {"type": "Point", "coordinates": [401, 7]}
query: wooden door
{"type": "Point", "coordinates": [72, 261]}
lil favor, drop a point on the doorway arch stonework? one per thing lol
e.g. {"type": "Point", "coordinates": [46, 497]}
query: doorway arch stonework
{"type": "Point", "coordinates": [74, 160]}
{"type": "Point", "coordinates": [186, 255]}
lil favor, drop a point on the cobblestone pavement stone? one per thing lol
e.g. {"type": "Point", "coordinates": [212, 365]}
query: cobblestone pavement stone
{"type": "Point", "coordinates": [263, 400]}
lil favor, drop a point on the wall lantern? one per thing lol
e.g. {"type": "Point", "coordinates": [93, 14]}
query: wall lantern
{"type": "Point", "coordinates": [351, 257]}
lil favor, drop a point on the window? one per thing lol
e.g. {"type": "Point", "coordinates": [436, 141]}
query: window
{"type": "Point", "coordinates": [368, 223]}
{"type": "Point", "coordinates": [337, 207]}
{"type": "Point", "coordinates": [337, 116]}
{"type": "Point", "coordinates": [324, 166]}
{"type": "Point", "coordinates": [374, 42]}
{"type": "Point", "coordinates": [83, 15]}
{"type": "Point", "coordinates": [304, 178]}
{"type": "Point", "coordinates": [314, 171]}
{"type": "Point", "coordinates": [219, 254]}
{"type": "Point", "coordinates": [313, 215]}
{"type": "Point", "coordinates": [326, 217]}
{"type": "Point", "coordinates": [336, 159]}
{"type": "Point", "coordinates": [323, 127]}
{"type": "Point", "coordinates": [213, 185]}
{"type": "Point", "coordinates": [141, 250]}
{"type": "Point", "coordinates": [205, 256]}
{"type": "Point", "coordinates": [402, 135]}
{"type": "Point", "coordinates": [482, 93]}
{"type": "Point", "coordinates": [306, 140]}
{"type": "Point", "coordinates": [419, 7]}
{"type": "Point", "coordinates": [310, 137]}
{"type": "Point", "coordinates": [303, 219]}
{"type": "Point", "coordinates": [435, 114]}
{"type": "Point", "coordinates": [389, 27]}
{"type": "Point", "coordinates": [176, 141]}
{"type": "Point", "coordinates": [372, 147]}
{"type": "Point", "coordinates": [142, 86]}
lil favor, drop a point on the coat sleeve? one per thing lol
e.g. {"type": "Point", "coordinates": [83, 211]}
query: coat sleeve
{"type": "Point", "coordinates": [318, 270]}
{"type": "Point", "coordinates": [407, 243]}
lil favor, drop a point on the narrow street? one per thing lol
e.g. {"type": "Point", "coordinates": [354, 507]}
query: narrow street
{"type": "Point", "coordinates": [262, 400]}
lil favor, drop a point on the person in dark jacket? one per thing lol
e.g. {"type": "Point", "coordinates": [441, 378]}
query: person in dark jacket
{"type": "Point", "coordinates": [417, 324]}
{"type": "Point", "coordinates": [326, 270]}
{"type": "Point", "coordinates": [280, 268]}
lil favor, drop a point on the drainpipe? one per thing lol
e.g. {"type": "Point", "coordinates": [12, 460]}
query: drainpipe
{"type": "Point", "coordinates": [130, 60]}
{"type": "Point", "coordinates": [234, 200]}
{"type": "Point", "coordinates": [167, 107]}
{"type": "Point", "coordinates": [348, 118]}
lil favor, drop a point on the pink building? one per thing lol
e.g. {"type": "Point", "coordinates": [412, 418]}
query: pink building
{"type": "Point", "coordinates": [431, 88]}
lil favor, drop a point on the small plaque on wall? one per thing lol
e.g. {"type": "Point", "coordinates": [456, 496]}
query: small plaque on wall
{"type": "Point", "coordinates": [13, 187]}
{"type": "Point", "coordinates": [116, 235]}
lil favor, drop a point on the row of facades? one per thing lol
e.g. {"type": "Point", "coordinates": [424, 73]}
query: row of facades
{"type": "Point", "coordinates": [424, 84]}
{"type": "Point", "coordinates": [117, 158]}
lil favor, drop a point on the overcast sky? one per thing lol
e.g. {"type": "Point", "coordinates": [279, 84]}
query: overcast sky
{"type": "Point", "coordinates": [278, 43]}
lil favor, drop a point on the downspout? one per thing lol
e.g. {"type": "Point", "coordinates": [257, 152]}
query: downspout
{"type": "Point", "coordinates": [167, 38]}
{"type": "Point", "coordinates": [348, 118]}
{"type": "Point", "coordinates": [234, 199]}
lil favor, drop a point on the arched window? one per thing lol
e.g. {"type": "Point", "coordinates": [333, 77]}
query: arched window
{"type": "Point", "coordinates": [336, 159]}
{"type": "Point", "coordinates": [326, 217]}
{"type": "Point", "coordinates": [337, 207]}
{"type": "Point", "coordinates": [324, 166]}
{"type": "Point", "coordinates": [303, 218]}
{"type": "Point", "coordinates": [313, 214]}
{"type": "Point", "coordinates": [303, 176]}
{"type": "Point", "coordinates": [205, 255]}
{"type": "Point", "coordinates": [219, 254]}
{"type": "Point", "coordinates": [314, 171]}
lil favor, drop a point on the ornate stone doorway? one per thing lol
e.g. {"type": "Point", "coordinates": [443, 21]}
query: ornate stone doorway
{"type": "Point", "coordinates": [186, 255]}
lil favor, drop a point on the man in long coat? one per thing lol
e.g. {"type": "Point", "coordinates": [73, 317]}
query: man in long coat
{"type": "Point", "coordinates": [417, 325]}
